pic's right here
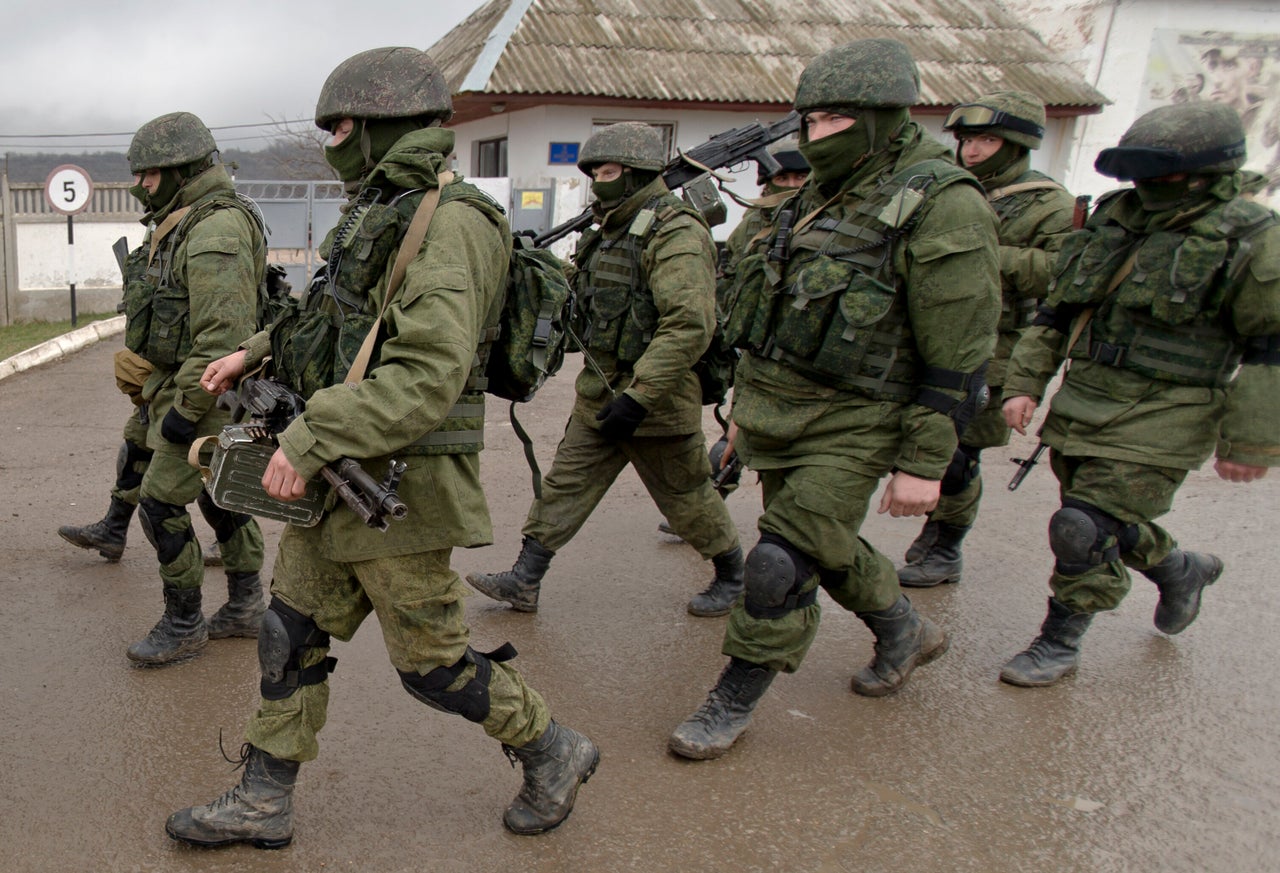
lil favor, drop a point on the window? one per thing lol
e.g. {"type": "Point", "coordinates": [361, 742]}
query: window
{"type": "Point", "coordinates": [490, 158]}
{"type": "Point", "coordinates": [666, 129]}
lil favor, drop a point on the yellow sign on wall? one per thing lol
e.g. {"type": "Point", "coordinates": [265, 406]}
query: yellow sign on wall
{"type": "Point", "coordinates": [531, 199]}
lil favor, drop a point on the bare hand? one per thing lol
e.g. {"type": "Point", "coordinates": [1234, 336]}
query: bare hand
{"type": "Point", "coordinates": [907, 495]}
{"type": "Point", "coordinates": [281, 481]}
{"type": "Point", "coordinates": [222, 375]}
{"type": "Point", "coordinates": [1018, 412]}
{"type": "Point", "coordinates": [731, 438]}
{"type": "Point", "coordinates": [1233, 471]}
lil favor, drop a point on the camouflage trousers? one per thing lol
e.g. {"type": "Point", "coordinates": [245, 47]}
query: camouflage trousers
{"type": "Point", "coordinates": [675, 471]}
{"type": "Point", "coordinates": [1133, 493]}
{"type": "Point", "coordinates": [819, 510]}
{"type": "Point", "coordinates": [418, 600]}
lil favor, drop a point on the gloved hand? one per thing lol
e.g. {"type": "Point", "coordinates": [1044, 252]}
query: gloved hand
{"type": "Point", "coordinates": [177, 429]}
{"type": "Point", "coordinates": [619, 420]}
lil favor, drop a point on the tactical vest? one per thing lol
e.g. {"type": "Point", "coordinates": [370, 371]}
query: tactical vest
{"type": "Point", "coordinates": [157, 306]}
{"type": "Point", "coordinates": [616, 313]}
{"type": "Point", "coordinates": [1166, 318]}
{"type": "Point", "coordinates": [315, 346]}
{"type": "Point", "coordinates": [824, 299]}
{"type": "Point", "coordinates": [1017, 313]}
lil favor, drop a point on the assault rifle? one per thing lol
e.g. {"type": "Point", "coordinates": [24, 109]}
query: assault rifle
{"type": "Point", "coordinates": [275, 405]}
{"type": "Point", "coordinates": [749, 142]}
{"type": "Point", "coordinates": [1025, 465]}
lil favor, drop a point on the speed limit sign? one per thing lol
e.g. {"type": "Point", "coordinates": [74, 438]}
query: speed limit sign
{"type": "Point", "coordinates": [68, 189]}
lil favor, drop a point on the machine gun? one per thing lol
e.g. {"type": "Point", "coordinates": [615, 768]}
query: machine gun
{"type": "Point", "coordinates": [1025, 466]}
{"type": "Point", "coordinates": [749, 142]}
{"type": "Point", "coordinates": [274, 405]}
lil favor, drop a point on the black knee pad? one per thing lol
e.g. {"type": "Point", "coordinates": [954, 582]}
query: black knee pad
{"type": "Point", "coordinates": [168, 544]}
{"type": "Point", "coordinates": [223, 521]}
{"type": "Point", "coordinates": [962, 470]}
{"type": "Point", "coordinates": [1082, 536]}
{"type": "Point", "coordinates": [131, 464]}
{"type": "Point", "coordinates": [471, 701]}
{"type": "Point", "coordinates": [774, 574]}
{"type": "Point", "coordinates": [284, 637]}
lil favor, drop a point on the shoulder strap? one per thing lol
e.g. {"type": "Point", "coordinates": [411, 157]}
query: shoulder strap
{"type": "Point", "coordinates": [409, 247]}
{"type": "Point", "coordinates": [172, 220]}
{"type": "Point", "coordinates": [1019, 187]}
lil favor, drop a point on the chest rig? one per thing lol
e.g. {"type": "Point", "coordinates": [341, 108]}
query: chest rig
{"type": "Point", "coordinates": [616, 313]}
{"type": "Point", "coordinates": [1161, 298]}
{"type": "Point", "coordinates": [315, 346]}
{"type": "Point", "coordinates": [824, 298]}
{"type": "Point", "coordinates": [1010, 202]}
{"type": "Point", "coordinates": [157, 304]}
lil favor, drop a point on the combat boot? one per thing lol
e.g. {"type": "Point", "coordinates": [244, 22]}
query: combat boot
{"type": "Point", "coordinates": [904, 640]}
{"type": "Point", "coordinates": [725, 588]}
{"type": "Point", "coordinates": [1054, 654]}
{"type": "Point", "coordinates": [922, 543]}
{"type": "Point", "coordinates": [520, 585]}
{"type": "Point", "coordinates": [724, 715]}
{"type": "Point", "coordinates": [181, 631]}
{"type": "Point", "coordinates": [1181, 578]}
{"type": "Point", "coordinates": [258, 811]}
{"type": "Point", "coordinates": [108, 535]}
{"type": "Point", "coordinates": [940, 563]}
{"type": "Point", "coordinates": [555, 764]}
{"type": "Point", "coordinates": [241, 615]}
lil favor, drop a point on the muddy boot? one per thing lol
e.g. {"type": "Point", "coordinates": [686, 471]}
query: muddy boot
{"type": "Point", "coordinates": [725, 714]}
{"type": "Point", "coordinates": [1052, 655]}
{"type": "Point", "coordinates": [241, 615]}
{"type": "Point", "coordinates": [107, 535]}
{"type": "Point", "coordinates": [1181, 578]}
{"type": "Point", "coordinates": [904, 640]}
{"type": "Point", "coordinates": [518, 586]}
{"type": "Point", "coordinates": [940, 563]}
{"type": "Point", "coordinates": [259, 810]}
{"type": "Point", "coordinates": [725, 588]}
{"type": "Point", "coordinates": [212, 555]}
{"type": "Point", "coordinates": [921, 544]}
{"type": "Point", "coordinates": [181, 631]}
{"type": "Point", "coordinates": [555, 764]}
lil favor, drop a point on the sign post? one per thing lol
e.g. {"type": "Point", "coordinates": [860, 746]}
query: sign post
{"type": "Point", "coordinates": [68, 190]}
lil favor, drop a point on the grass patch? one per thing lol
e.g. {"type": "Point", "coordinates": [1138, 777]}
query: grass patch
{"type": "Point", "coordinates": [19, 337]}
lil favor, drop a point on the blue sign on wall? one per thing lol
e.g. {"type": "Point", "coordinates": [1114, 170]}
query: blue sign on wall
{"type": "Point", "coordinates": [563, 153]}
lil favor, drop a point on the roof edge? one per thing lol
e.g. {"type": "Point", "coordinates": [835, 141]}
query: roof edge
{"type": "Point", "coordinates": [494, 45]}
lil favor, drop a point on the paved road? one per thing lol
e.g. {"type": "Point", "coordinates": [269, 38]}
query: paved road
{"type": "Point", "coordinates": [1161, 755]}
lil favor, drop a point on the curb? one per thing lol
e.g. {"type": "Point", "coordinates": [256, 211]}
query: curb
{"type": "Point", "coordinates": [60, 346]}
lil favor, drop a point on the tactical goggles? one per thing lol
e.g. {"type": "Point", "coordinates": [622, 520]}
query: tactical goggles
{"type": "Point", "coordinates": [1127, 163]}
{"type": "Point", "coordinates": [975, 116]}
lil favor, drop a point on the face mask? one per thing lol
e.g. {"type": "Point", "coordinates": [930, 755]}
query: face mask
{"type": "Point", "coordinates": [139, 193]}
{"type": "Point", "coordinates": [832, 158]}
{"type": "Point", "coordinates": [610, 193]}
{"type": "Point", "coordinates": [347, 158]}
{"type": "Point", "coordinates": [165, 192]}
{"type": "Point", "coordinates": [1002, 159]}
{"type": "Point", "coordinates": [1163, 196]}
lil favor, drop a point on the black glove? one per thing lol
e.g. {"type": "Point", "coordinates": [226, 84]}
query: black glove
{"type": "Point", "coordinates": [177, 429]}
{"type": "Point", "coordinates": [619, 420]}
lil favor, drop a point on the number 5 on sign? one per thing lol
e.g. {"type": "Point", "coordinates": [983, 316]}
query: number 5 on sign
{"type": "Point", "coordinates": [68, 189]}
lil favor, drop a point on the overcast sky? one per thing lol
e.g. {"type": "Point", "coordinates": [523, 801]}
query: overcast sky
{"type": "Point", "coordinates": [88, 67]}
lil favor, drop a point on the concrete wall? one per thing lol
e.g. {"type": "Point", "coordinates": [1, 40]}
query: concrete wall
{"type": "Point", "coordinates": [43, 292]}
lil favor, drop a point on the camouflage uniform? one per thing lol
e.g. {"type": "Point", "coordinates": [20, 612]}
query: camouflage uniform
{"type": "Point", "coordinates": [191, 292]}
{"type": "Point", "coordinates": [894, 271]}
{"type": "Point", "coordinates": [1165, 294]}
{"type": "Point", "coordinates": [419, 403]}
{"type": "Point", "coordinates": [646, 290]}
{"type": "Point", "coordinates": [1035, 215]}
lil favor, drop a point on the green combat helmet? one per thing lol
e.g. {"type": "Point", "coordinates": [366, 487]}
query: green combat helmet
{"type": "Point", "coordinates": [630, 143]}
{"type": "Point", "coordinates": [1202, 138]}
{"type": "Point", "coordinates": [866, 74]}
{"type": "Point", "coordinates": [172, 140]}
{"type": "Point", "coordinates": [392, 82]}
{"type": "Point", "coordinates": [1015, 116]}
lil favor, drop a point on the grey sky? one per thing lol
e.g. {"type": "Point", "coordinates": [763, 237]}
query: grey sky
{"type": "Point", "coordinates": [84, 66]}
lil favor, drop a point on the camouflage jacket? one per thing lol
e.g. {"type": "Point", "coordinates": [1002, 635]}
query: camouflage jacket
{"type": "Point", "coordinates": [1193, 288]}
{"type": "Point", "coordinates": [677, 285]}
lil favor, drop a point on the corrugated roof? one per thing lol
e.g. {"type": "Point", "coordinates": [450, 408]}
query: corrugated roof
{"type": "Point", "coordinates": [742, 51]}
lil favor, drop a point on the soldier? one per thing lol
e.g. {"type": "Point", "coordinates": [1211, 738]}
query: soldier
{"type": "Point", "coordinates": [191, 293]}
{"type": "Point", "coordinates": [994, 137]}
{"type": "Point", "coordinates": [646, 295]}
{"type": "Point", "coordinates": [384, 108]}
{"type": "Point", "coordinates": [1168, 306]}
{"type": "Point", "coordinates": [865, 316]}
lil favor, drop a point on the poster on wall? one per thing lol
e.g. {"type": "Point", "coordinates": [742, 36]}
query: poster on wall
{"type": "Point", "coordinates": [1239, 69]}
